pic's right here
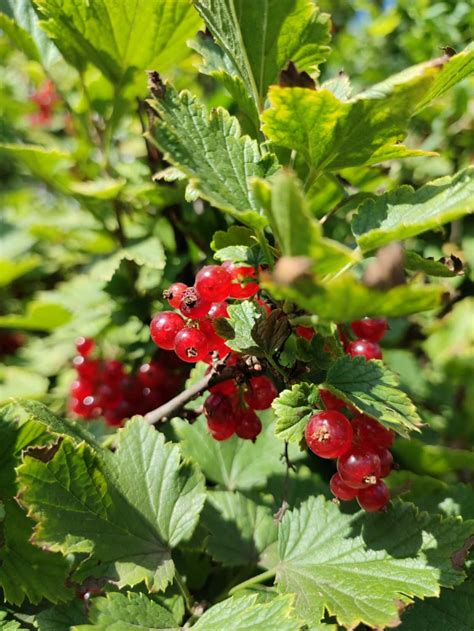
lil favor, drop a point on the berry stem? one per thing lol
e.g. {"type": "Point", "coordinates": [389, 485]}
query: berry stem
{"type": "Point", "coordinates": [255, 580]}
{"type": "Point", "coordinates": [183, 588]}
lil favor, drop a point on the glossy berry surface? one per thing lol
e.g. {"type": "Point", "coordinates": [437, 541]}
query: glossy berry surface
{"type": "Point", "coordinates": [330, 401]}
{"type": "Point", "coordinates": [328, 434]}
{"type": "Point", "coordinates": [84, 345]}
{"type": "Point", "coordinates": [370, 433]}
{"type": "Point", "coordinates": [228, 387]}
{"type": "Point", "coordinates": [359, 467]}
{"type": "Point", "coordinates": [218, 310]}
{"type": "Point", "coordinates": [386, 462]}
{"type": "Point", "coordinates": [260, 393]}
{"type": "Point", "coordinates": [340, 489]}
{"type": "Point", "coordinates": [213, 282]}
{"type": "Point", "coordinates": [193, 305]}
{"type": "Point", "coordinates": [174, 294]}
{"type": "Point", "coordinates": [365, 348]}
{"type": "Point", "coordinates": [219, 408]}
{"type": "Point", "coordinates": [191, 345]}
{"type": "Point", "coordinates": [222, 431]}
{"type": "Point", "coordinates": [164, 328]}
{"type": "Point", "coordinates": [372, 329]}
{"type": "Point", "coordinates": [305, 332]}
{"type": "Point", "coordinates": [242, 286]}
{"type": "Point", "coordinates": [249, 425]}
{"type": "Point", "coordinates": [374, 498]}
{"type": "Point", "coordinates": [86, 368]}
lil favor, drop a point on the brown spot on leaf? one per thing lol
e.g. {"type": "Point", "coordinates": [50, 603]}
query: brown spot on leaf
{"type": "Point", "coordinates": [156, 85]}
{"type": "Point", "coordinates": [290, 268]}
{"type": "Point", "coordinates": [291, 78]}
{"type": "Point", "coordinates": [387, 270]}
{"type": "Point", "coordinates": [459, 557]}
{"type": "Point", "coordinates": [45, 453]}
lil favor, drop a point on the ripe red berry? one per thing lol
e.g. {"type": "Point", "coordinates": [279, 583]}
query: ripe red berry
{"type": "Point", "coordinates": [372, 329]}
{"type": "Point", "coordinates": [213, 282]}
{"type": "Point", "coordinates": [242, 286]}
{"type": "Point", "coordinates": [264, 305]}
{"type": "Point", "coordinates": [370, 433]}
{"type": "Point", "coordinates": [174, 294]}
{"type": "Point", "coordinates": [218, 408]}
{"type": "Point", "coordinates": [386, 462]}
{"type": "Point", "coordinates": [340, 489]}
{"type": "Point", "coordinates": [249, 425]}
{"type": "Point", "coordinates": [328, 434]}
{"type": "Point", "coordinates": [86, 368]}
{"type": "Point", "coordinates": [359, 467]}
{"type": "Point", "coordinates": [164, 328]}
{"type": "Point", "coordinates": [305, 331]}
{"type": "Point", "coordinates": [113, 371]}
{"type": "Point", "coordinates": [228, 388]}
{"type": "Point", "coordinates": [191, 345]}
{"type": "Point", "coordinates": [84, 345]}
{"type": "Point", "coordinates": [81, 388]}
{"type": "Point", "coordinates": [222, 431]}
{"type": "Point", "coordinates": [330, 401]}
{"type": "Point", "coordinates": [365, 348]}
{"type": "Point", "coordinates": [218, 310]}
{"type": "Point", "coordinates": [261, 392]}
{"type": "Point", "coordinates": [193, 305]}
{"type": "Point", "coordinates": [151, 375]}
{"type": "Point", "coordinates": [374, 498]}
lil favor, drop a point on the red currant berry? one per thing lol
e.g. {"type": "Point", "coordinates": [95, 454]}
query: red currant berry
{"type": "Point", "coordinates": [374, 498]}
{"type": "Point", "coordinates": [84, 345]}
{"type": "Point", "coordinates": [261, 393]}
{"type": "Point", "coordinates": [108, 396]}
{"type": "Point", "coordinates": [330, 401]}
{"type": "Point", "coordinates": [164, 328]}
{"type": "Point", "coordinates": [305, 331]}
{"type": "Point", "coordinates": [359, 467]}
{"type": "Point", "coordinates": [174, 294]}
{"type": "Point", "coordinates": [191, 345]}
{"type": "Point", "coordinates": [328, 434]}
{"type": "Point", "coordinates": [364, 348]}
{"type": "Point", "coordinates": [81, 388]}
{"type": "Point", "coordinates": [113, 370]}
{"type": "Point", "coordinates": [193, 305]}
{"type": "Point", "coordinates": [386, 462]}
{"type": "Point", "coordinates": [242, 275]}
{"type": "Point", "coordinates": [151, 375]}
{"type": "Point", "coordinates": [86, 368]}
{"type": "Point", "coordinates": [219, 408]}
{"type": "Point", "coordinates": [372, 329]}
{"type": "Point", "coordinates": [213, 282]}
{"type": "Point", "coordinates": [340, 489]}
{"type": "Point", "coordinates": [228, 388]}
{"type": "Point", "coordinates": [218, 310]}
{"type": "Point", "coordinates": [220, 432]}
{"type": "Point", "coordinates": [370, 433]}
{"type": "Point", "coordinates": [90, 407]}
{"type": "Point", "coordinates": [265, 306]}
{"type": "Point", "coordinates": [249, 425]}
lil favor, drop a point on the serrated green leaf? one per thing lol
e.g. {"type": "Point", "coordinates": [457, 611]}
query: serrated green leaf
{"type": "Point", "coordinates": [239, 529]}
{"type": "Point", "coordinates": [373, 389]}
{"type": "Point", "coordinates": [126, 612]}
{"type": "Point", "coordinates": [20, 382]}
{"type": "Point", "coordinates": [357, 566]}
{"type": "Point", "coordinates": [117, 37]}
{"type": "Point", "coordinates": [242, 318]}
{"type": "Point", "coordinates": [145, 253]}
{"type": "Point", "coordinates": [236, 254]}
{"type": "Point", "coordinates": [39, 316]}
{"type": "Point", "coordinates": [445, 267]}
{"type": "Point", "coordinates": [49, 165]}
{"type": "Point", "coordinates": [292, 410]}
{"type": "Point", "coordinates": [404, 213]}
{"type": "Point", "coordinates": [235, 235]}
{"type": "Point", "coordinates": [271, 332]}
{"type": "Point", "coordinates": [61, 617]}
{"type": "Point", "coordinates": [246, 613]}
{"type": "Point", "coordinates": [125, 509]}
{"type": "Point", "coordinates": [210, 150]}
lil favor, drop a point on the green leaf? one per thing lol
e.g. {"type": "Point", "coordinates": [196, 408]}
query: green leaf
{"type": "Point", "coordinates": [433, 459]}
{"type": "Point", "coordinates": [20, 382]}
{"type": "Point", "coordinates": [39, 316]}
{"type": "Point", "coordinates": [445, 267]}
{"type": "Point", "coordinates": [11, 270]}
{"type": "Point", "coordinates": [125, 509]}
{"type": "Point", "coordinates": [239, 529]}
{"type": "Point", "coordinates": [209, 149]}
{"type": "Point", "coordinates": [117, 37]}
{"type": "Point", "coordinates": [234, 236]}
{"type": "Point", "coordinates": [358, 566]}
{"type": "Point", "coordinates": [271, 332]}
{"type": "Point", "coordinates": [145, 253]}
{"type": "Point", "coordinates": [126, 612]}
{"type": "Point", "coordinates": [61, 617]}
{"type": "Point", "coordinates": [242, 318]}
{"type": "Point", "coordinates": [373, 389]}
{"type": "Point", "coordinates": [404, 213]}
{"type": "Point", "coordinates": [292, 410]}
{"type": "Point", "coordinates": [49, 165]}
{"type": "Point", "coordinates": [246, 613]}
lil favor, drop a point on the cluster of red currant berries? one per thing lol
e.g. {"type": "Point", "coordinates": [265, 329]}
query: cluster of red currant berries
{"type": "Point", "coordinates": [45, 99]}
{"type": "Point", "coordinates": [104, 388]}
{"type": "Point", "coordinates": [369, 332]}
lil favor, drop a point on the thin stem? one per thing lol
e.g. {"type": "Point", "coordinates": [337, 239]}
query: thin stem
{"type": "Point", "coordinates": [255, 580]}
{"type": "Point", "coordinates": [265, 247]}
{"type": "Point", "coordinates": [277, 368]}
{"type": "Point", "coordinates": [183, 588]}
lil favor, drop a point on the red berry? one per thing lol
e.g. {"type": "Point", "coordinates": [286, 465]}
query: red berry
{"type": "Point", "coordinates": [151, 375]}
{"type": "Point", "coordinates": [359, 467]}
{"type": "Point", "coordinates": [174, 294]}
{"type": "Point", "coordinates": [249, 425]}
{"type": "Point", "coordinates": [218, 310]}
{"type": "Point", "coordinates": [386, 462]}
{"type": "Point", "coordinates": [81, 388]}
{"type": "Point", "coordinates": [84, 345]}
{"type": "Point", "coordinates": [372, 329]}
{"type": "Point", "coordinates": [305, 331]}
{"type": "Point", "coordinates": [164, 328]}
{"type": "Point", "coordinates": [370, 433]}
{"type": "Point", "coordinates": [242, 286]}
{"type": "Point", "coordinates": [218, 408]}
{"type": "Point", "coordinates": [261, 303]}
{"type": "Point", "coordinates": [113, 371]}
{"type": "Point", "coordinates": [86, 368]}
{"type": "Point", "coordinates": [340, 489]}
{"type": "Point", "coordinates": [221, 432]}
{"type": "Point", "coordinates": [330, 401]}
{"type": "Point", "coordinates": [193, 305]}
{"type": "Point", "coordinates": [261, 393]}
{"type": "Point", "coordinates": [328, 434]}
{"type": "Point", "coordinates": [365, 348]}
{"type": "Point", "coordinates": [213, 282]}
{"type": "Point", "coordinates": [108, 396]}
{"type": "Point", "coordinates": [374, 498]}
{"type": "Point", "coordinates": [191, 345]}
{"type": "Point", "coordinates": [228, 388]}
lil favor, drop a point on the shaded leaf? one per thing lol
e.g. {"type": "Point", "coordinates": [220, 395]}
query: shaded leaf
{"type": "Point", "coordinates": [292, 410]}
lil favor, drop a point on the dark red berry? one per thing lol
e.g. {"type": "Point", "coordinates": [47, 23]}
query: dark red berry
{"type": "Point", "coordinates": [213, 282]}
{"type": "Point", "coordinates": [228, 388]}
{"type": "Point", "coordinates": [374, 498]}
{"type": "Point", "coordinates": [219, 408]}
{"type": "Point", "coordinates": [193, 305]}
{"type": "Point", "coordinates": [174, 294]}
{"type": "Point", "coordinates": [86, 368]}
{"type": "Point", "coordinates": [386, 462]}
{"type": "Point", "coordinates": [242, 276]}
{"type": "Point", "coordinates": [222, 431]}
{"type": "Point", "coordinates": [113, 371]}
{"type": "Point", "coordinates": [359, 467]}
{"type": "Point", "coordinates": [260, 393]}
{"type": "Point", "coordinates": [330, 401]}
{"type": "Point", "coordinates": [305, 331]}
{"type": "Point", "coordinates": [372, 329]}
{"type": "Point", "coordinates": [151, 375]}
{"type": "Point", "coordinates": [164, 328]}
{"type": "Point", "coordinates": [365, 348]}
{"type": "Point", "coordinates": [340, 489]}
{"type": "Point", "coordinates": [84, 345]}
{"type": "Point", "coordinates": [191, 345]}
{"type": "Point", "coordinates": [249, 425]}
{"type": "Point", "coordinates": [328, 434]}
{"type": "Point", "coordinates": [370, 433]}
